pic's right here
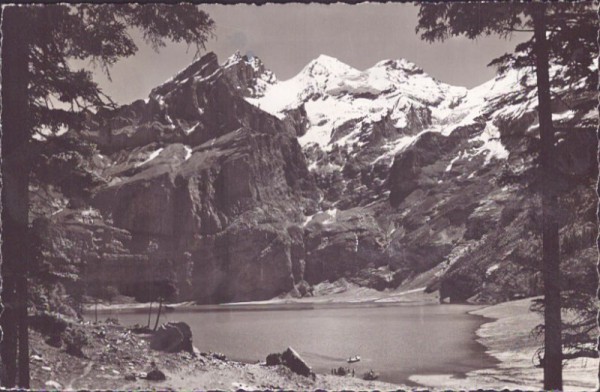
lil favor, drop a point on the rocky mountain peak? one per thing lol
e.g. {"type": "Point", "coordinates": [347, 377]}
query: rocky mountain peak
{"type": "Point", "coordinates": [201, 68]}
{"type": "Point", "coordinates": [248, 74]}
{"type": "Point", "coordinates": [399, 64]}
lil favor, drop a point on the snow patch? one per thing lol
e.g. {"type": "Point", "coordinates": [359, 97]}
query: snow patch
{"type": "Point", "coordinates": [187, 131]}
{"type": "Point", "coordinates": [490, 137]}
{"type": "Point", "coordinates": [152, 156]}
{"type": "Point", "coordinates": [188, 152]}
{"type": "Point", "coordinates": [332, 212]}
{"type": "Point", "coordinates": [491, 269]}
{"type": "Point", "coordinates": [456, 158]}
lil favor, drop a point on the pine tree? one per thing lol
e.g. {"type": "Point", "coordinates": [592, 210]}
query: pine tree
{"type": "Point", "coordinates": [41, 91]}
{"type": "Point", "coordinates": [563, 34]}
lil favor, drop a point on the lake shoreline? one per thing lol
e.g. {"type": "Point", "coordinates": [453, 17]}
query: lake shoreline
{"type": "Point", "coordinates": [414, 298]}
{"type": "Point", "coordinates": [507, 337]}
{"type": "Point", "coordinates": [350, 296]}
{"type": "Point", "coordinates": [502, 334]}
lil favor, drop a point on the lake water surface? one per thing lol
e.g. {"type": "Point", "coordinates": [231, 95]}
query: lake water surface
{"type": "Point", "coordinates": [395, 340]}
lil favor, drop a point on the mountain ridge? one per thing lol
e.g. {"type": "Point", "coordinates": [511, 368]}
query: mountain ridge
{"type": "Point", "coordinates": [244, 187]}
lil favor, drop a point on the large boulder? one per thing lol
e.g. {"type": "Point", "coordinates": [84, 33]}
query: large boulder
{"type": "Point", "coordinates": [156, 375]}
{"type": "Point", "coordinates": [173, 337]}
{"type": "Point", "coordinates": [291, 359]}
{"type": "Point", "coordinates": [274, 359]}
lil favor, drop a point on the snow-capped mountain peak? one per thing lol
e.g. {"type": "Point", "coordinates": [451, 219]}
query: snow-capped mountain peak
{"type": "Point", "coordinates": [343, 104]}
{"type": "Point", "coordinates": [399, 64]}
{"type": "Point", "coordinates": [327, 66]}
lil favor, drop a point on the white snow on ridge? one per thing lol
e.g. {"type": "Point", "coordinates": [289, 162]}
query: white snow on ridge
{"type": "Point", "coordinates": [344, 104]}
{"type": "Point", "coordinates": [334, 93]}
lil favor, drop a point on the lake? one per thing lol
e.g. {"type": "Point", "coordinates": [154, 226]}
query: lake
{"type": "Point", "coordinates": [394, 340]}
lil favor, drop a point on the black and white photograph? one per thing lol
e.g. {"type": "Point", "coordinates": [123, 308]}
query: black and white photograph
{"type": "Point", "coordinates": [299, 196]}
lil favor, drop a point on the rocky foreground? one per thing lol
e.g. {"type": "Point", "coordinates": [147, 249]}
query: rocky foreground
{"type": "Point", "coordinates": [116, 358]}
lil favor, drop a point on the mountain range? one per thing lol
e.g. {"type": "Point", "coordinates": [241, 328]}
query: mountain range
{"type": "Point", "coordinates": [238, 186]}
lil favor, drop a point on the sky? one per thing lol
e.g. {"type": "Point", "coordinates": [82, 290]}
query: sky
{"type": "Point", "coordinates": [288, 36]}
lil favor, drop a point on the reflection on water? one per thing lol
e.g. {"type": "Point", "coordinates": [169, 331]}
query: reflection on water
{"type": "Point", "coordinates": [395, 341]}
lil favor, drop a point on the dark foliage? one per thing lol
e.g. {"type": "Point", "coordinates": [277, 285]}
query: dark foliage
{"type": "Point", "coordinates": [41, 93]}
{"type": "Point", "coordinates": [561, 49]}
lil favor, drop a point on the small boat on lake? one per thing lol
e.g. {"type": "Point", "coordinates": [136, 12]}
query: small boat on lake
{"type": "Point", "coordinates": [353, 359]}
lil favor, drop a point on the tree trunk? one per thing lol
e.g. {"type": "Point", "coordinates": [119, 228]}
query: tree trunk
{"type": "Point", "coordinates": [160, 301]}
{"type": "Point", "coordinates": [550, 239]}
{"type": "Point", "coordinates": [9, 329]}
{"type": "Point", "coordinates": [149, 314]}
{"type": "Point", "coordinates": [16, 132]}
{"type": "Point", "coordinates": [23, 295]}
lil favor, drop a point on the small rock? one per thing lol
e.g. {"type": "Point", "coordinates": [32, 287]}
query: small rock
{"type": "Point", "coordinates": [219, 356]}
{"type": "Point", "coordinates": [155, 375]}
{"type": "Point", "coordinates": [130, 377]}
{"type": "Point", "coordinates": [53, 385]}
{"type": "Point", "coordinates": [36, 358]}
{"type": "Point", "coordinates": [47, 368]}
{"type": "Point", "coordinates": [370, 375]}
{"type": "Point", "coordinates": [115, 371]}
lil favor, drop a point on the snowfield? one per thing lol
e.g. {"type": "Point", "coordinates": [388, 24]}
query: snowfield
{"type": "Point", "coordinates": [344, 104]}
{"type": "Point", "coordinates": [334, 94]}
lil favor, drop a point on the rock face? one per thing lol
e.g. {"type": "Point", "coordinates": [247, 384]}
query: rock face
{"type": "Point", "coordinates": [200, 183]}
{"type": "Point", "coordinates": [237, 186]}
{"type": "Point", "coordinates": [172, 338]}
